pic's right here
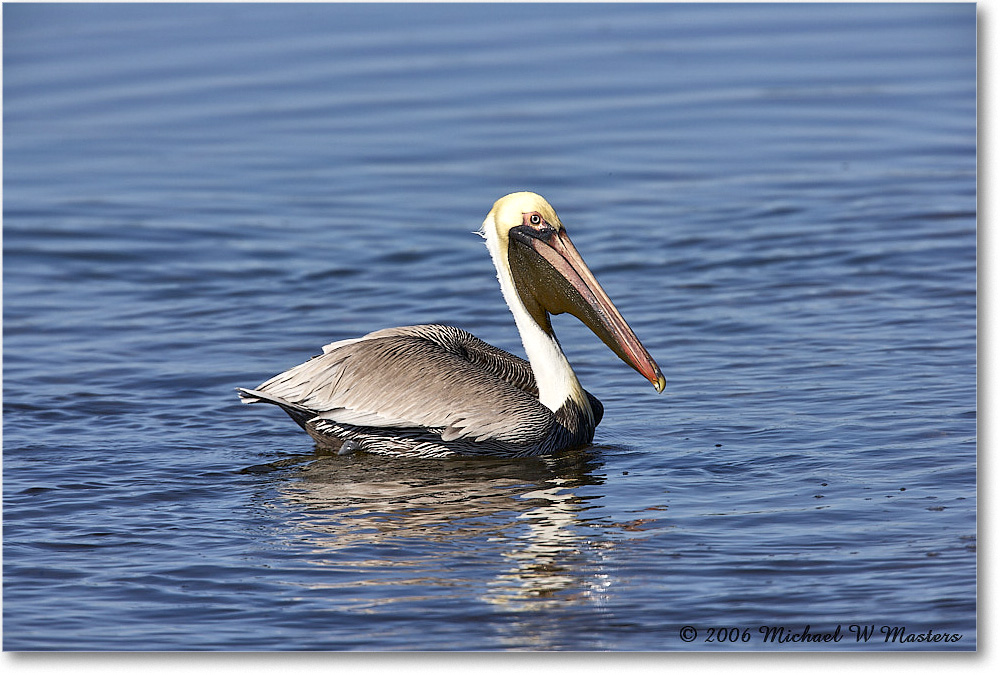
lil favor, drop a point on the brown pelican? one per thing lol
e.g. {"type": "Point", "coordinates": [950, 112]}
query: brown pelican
{"type": "Point", "coordinates": [434, 391]}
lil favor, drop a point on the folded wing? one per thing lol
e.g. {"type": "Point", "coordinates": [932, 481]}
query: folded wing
{"type": "Point", "coordinates": [437, 378]}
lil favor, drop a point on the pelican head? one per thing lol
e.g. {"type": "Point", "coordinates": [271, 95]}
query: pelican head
{"type": "Point", "coordinates": [530, 247]}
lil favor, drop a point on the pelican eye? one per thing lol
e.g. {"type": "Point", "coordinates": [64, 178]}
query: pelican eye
{"type": "Point", "coordinates": [534, 220]}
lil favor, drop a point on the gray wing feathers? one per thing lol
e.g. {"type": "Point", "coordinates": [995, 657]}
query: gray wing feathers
{"type": "Point", "coordinates": [433, 377]}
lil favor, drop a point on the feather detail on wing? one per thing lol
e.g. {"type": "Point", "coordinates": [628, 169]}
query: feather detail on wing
{"type": "Point", "coordinates": [433, 377]}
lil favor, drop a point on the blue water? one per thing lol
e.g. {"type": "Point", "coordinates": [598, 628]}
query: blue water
{"type": "Point", "coordinates": [781, 199]}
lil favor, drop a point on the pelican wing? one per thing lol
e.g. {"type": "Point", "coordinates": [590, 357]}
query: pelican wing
{"type": "Point", "coordinates": [433, 377]}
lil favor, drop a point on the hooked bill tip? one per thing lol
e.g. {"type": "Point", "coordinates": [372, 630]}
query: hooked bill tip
{"type": "Point", "coordinates": [660, 384]}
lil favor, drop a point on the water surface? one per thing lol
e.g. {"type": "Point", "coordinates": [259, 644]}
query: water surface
{"type": "Point", "coordinates": [780, 200]}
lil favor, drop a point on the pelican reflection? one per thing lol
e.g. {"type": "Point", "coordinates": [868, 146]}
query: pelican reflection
{"type": "Point", "coordinates": [508, 531]}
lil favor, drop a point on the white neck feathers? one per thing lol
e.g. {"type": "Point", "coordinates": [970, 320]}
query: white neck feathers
{"type": "Point", "coordinates": [557, 383]}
